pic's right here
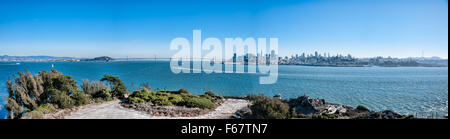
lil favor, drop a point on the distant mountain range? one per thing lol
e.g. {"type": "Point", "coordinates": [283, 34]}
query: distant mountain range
{"type": "Point", "coordinates": [428, 61]}
{"type": "Point", "coordinates": [6, 58]}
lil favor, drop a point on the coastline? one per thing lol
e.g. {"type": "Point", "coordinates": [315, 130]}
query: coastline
{"type": "Point", "coordinates": [165, 60]}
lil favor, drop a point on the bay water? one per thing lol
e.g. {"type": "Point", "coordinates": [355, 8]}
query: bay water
{"type": "Point", "coordinates": [406, 90]}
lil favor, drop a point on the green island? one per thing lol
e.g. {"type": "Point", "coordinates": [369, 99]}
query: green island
{"type": "Point", "coordinates": [51, 93]}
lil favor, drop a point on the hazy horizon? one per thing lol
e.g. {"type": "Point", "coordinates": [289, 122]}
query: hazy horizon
{"type": "Point", "coordinates": [143, 29]}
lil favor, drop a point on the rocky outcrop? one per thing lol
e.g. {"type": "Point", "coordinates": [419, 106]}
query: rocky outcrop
{"type": "Point", "coordinates": [308, 107]}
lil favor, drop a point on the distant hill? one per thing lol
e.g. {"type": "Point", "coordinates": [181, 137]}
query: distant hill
{"type": "Point", "coordinates": [6, 58]}
{"type": "Point", "coordinates": [99, 59]}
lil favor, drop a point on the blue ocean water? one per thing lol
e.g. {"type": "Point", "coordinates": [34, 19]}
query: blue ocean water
{"type": "Point", "coordinates": [407, 90]}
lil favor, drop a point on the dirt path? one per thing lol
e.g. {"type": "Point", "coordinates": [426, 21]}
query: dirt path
{"type": "Point", "coordinates": [113, 110]}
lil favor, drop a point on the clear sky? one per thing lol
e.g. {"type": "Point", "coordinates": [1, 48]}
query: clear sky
{"type": "Point", "coordinates": [363, 28]}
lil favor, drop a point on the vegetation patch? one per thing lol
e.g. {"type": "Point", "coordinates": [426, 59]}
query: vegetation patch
{"type": "Point", "coordinates": [172, 98]}
{"type": "Point", "coordinates": [32, 96]}
{"type": "Point", "coordinates": [267, 108]}
{"type": "Point", "coordinates": [325, 116]}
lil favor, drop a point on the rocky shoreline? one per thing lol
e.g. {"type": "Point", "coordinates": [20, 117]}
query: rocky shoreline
{"type": "Point", "coordinates": [305, 107]}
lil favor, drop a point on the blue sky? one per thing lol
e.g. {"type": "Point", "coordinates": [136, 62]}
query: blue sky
{"type": "Point", "coordinates": [363, 28]}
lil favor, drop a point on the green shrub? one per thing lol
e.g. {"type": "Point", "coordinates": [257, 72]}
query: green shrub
{"type": "Point", "coordinates": [161, 99]}
{"type": "Point", "coordinates": [362, 108]}
{"type": "Point", "coordinates": [170, 98]}
{"type": "Point", "coordinates": [104, 94]}
{"type": "Point", "coordinates": [197, 103]}
{"type": "Point", "coordinates": [253, 97]}
{"type": "Point", "coordinates": [93, 87]}
{"type": "Point", "coordinates": [119, 89]}
{"type": "Point", "coordinates": [135, 100]}
{"type": "Point", "coordinates": [266, 108]}
{"type": "Point", "coordinates": [175, 99]}
{"type": "Point", "coordinates": [33, 115]}
{"type": "Point", "coordinates": [98, 100]}
{"type": "Point", "coordinates": [325, 116]}
{"type": "Point", "coordinates": [210, 93]}
{"type": "Point", "coordinates": [145, 86]}
{"type": "Point", "coordinates": [46, 108]}
{"type": "Point", "coordinates": [183, 91]}
{"type": "Point", "coordinates": [143, 94]}
{"type": "Point", "coordinates": [39, 112]}
{"type": "Point", "coordinates": [61, 99]}
{"type": "Point", "coordinates": [206, 96]}
{"type": "Point", "coordinates": [81, 98]}
{"type": "Point", "coordinates": [27, 93]}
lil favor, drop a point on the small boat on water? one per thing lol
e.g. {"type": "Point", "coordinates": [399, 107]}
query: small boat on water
{"type": "Point", "coordinates": [53, 65]}
{"type": "Point", "coordinates": [17, 63]}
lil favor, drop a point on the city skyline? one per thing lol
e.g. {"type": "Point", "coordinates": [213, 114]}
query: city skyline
{"type": "Point", "coordinates": [143, 29]}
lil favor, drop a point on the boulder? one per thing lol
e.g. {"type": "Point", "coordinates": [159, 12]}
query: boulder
{"type": "Point", "coordinates": [306, 105]}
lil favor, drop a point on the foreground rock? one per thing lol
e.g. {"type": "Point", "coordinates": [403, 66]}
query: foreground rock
{"type": "Point", "coordinates": [307, 107]}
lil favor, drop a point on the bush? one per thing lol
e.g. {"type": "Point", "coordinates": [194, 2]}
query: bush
{"type": "Point", "coordinates": [33, 115]}
{"type": "Point", "coordinates": [206, 96]}
{"type": "Point", "coordinates": [119, 89]}
{"type": "Point", "coordinates": [362, 108]}
{"type": "Point", "coordinates": [98, 100]}
{"type": "Point", "coordinates": [93, 87]}
{"type": "Point", "coordinates": [175, 99]}
{"type": "Point", "coordinates": [145, 86]}
{"type": "Point", "coordinates": [60, 99]}
{"type": "Point", "coordinates": [29, 93]}
{"type": "Point", "coordinates": [325, 116]}
{"type": "Point", "coordinates": [160, 99]}
{"type": "Point", "coordinates": [266, 108]}
{"type": "Point", "coordinates": [81, 98]}
{"type": "Point", "coordinates": [170, 98]}
{"type": "Point", "coordinates": [135, 100]}
{"type": "Point", "coordinates": [104, 94]}
{"type": "Point", "coordinates": [39, 112]}
{"type": "Point", "coordinates": [210, 93]}
{"type": "Point", "coordinates": [183, 91]}
{"type": "Point", "coordinates": [156, 98]}
{"type": "Point", "coordinates": [253, 97]}
{"type": "Point", "coordinates": [46, 108]}
{"type": "Point", "coordinates": [197, 103]}
{"type": "Point", "coordinates": [143, 94]}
